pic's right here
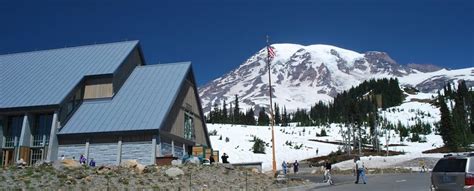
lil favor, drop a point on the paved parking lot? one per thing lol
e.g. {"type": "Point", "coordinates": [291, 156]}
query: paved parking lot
{"type": "Point", "coordinates": [386, 182]}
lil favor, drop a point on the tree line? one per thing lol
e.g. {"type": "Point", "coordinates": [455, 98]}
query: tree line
{"type": "Point", "coordinates": [457, 115]}
{"type": "Point", "coordinates": [356, 105]}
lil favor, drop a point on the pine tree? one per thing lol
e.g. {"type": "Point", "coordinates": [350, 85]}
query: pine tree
{"type": "Point", "coordinates": [224, 113]}
{"type": "Point", "coordinates": [258, 145]}
{"type": "Point", "coordinates": [250, 117]}
{"type": "Point", "coordinates": [471, 111]}
{"type": "Point", "coordinates": [459, 115]}
{"type": "Point", "coordinates": [277, 115]}
{"type": "Point", "coordinates": [446, 129]}
{"type": "Point", "coordinates": [284, 118]}
{"type": "Point", "coordinates": [263, 118]}
{"type": "Point", "coordinates": [237, 115]}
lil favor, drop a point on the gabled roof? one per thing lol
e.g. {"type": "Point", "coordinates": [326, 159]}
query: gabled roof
{"type": "Point", "coordinates": [46, 77]}
{"type": "Point", "coordinates": [142, 103]}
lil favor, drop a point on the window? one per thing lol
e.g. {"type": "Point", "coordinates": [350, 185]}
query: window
{"type": "Point", "coordinates": [189, 127]}
{"type": "Point", "coordinates": [71, 104]}
{"type": "Point", "coordinates": [36, 155]}
{"type": "Point", "coordinates": [13, 130]}
{"type": "Point", "coordinates": [450, 165]}
{"type": "Point", "coordinates": [42, 129]}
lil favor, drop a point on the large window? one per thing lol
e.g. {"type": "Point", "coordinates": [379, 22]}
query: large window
{"type": "Point", "coordinates": [42, 129]}
{"type": "Point", "coordinates": [13, 130]}
{"type": "Point", "coordinates": [189, 132]}
{"type": "Point", "coordinates": [71, 104]}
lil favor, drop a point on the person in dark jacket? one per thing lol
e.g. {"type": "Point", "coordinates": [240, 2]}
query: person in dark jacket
{"type": "Point", "coordinates": [296, 166]}
{"type": "Point", "coordinates": [211, 159]}
{"type": "Point", "coordinates": [327, 171]}
{"type": "Point", "coordinates": [224, 158]}
{"type": "Point", "coordinates": [92, 163]}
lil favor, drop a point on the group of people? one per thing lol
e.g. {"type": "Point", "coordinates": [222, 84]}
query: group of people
{"type": "Point", "coordinates": [82, 160]}
{"type": "Point", "coordinates": [359, 170]}
{"type": "Point", "coordinates": [224, 158]}
{"type": "Point", "coordinates": [286, 165]}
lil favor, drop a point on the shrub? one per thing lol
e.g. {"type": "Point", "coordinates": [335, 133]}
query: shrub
{"type": "Point", "coordinates": [258, 145]}
{"type": "Point", "coordinates": [323, 133]}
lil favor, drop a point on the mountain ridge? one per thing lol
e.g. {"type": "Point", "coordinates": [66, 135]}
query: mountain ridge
{"type": "Point", "coordinates": [303, 75]}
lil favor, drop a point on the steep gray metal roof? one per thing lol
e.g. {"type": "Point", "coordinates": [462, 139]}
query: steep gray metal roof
{"type": "Point", "coordinates": [46, 77]}
{"type": "Point", "coordinates": [141, 104]}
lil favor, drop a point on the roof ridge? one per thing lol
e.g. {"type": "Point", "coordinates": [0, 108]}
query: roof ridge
{"type": "Point", "coordinates": [165, 64]}
{"type": "Point", "coordinates": [71, 47]}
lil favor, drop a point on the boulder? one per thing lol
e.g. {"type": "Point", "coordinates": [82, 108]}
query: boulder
{"type": "Point", "coordinates": [66, 163]}
{"type": "Point", "coordinates": [102, 170]}
{"type": "Point", "coordinates": [174, 172]}
{"type": "Point", "coordinates": [139, 168]}
{"type": "Point", "coordinates": [255, 170]}
{"type": "Point", "coordinates": [129, 163]}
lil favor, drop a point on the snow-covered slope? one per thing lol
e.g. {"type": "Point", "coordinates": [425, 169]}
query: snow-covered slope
{"type": "Point", "coordinates": [303, 75]}
{"type": "Point", "coordinates": [239, 146]}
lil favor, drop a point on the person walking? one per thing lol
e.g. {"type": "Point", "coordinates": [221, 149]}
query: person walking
{"type": "Point", "coordinates": [422, 166]}
{"type": "Point", "coordinates": [317, 151]}
{"type": "Point", "coordinates": [285, 167]}
{"type": "Point", "coordinates": [327, 172]}
{"type": "Point", "coordinates": [356, 169]}
{"type": "Point", "coordinates": [296, 166]}
{"type": "Point", "coordinates": [360, 171]}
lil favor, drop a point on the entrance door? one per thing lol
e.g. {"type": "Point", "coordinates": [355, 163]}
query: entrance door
{"type": "Point", "coordinates": [36, 155]}
{"type": "Point", "coordinates": [7, 157]}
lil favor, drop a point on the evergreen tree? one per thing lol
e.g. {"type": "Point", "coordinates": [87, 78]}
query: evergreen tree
{"type": "Point", "coordinates": [225, 118]}
{"type": "Point", "coordinates": [446, 130]}
{"type": "Point", "coordinates": [263, 117]}
{"type": "Point", "coordinates": [277, 115]}
{"type": "Point", "coordinates": [250, 117]}
{"type": "Point", "coordinates": [215, 117]}
{"type": "Point", "coordinates": [284, 118]}
{"type": "Point", "coordinates": [231, 113]}
{"type": "Point", "coordinates": [459, 116]}
{"type": "Point", "coordinates": [258, 145]}
{"type": "Point", "coordinates": [237, 115]}
{"type": "Point", "coordinates": [472, 111]}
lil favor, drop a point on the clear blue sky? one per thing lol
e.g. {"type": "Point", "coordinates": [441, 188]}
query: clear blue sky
{"type": "Point", "coordinates": [217, 36]}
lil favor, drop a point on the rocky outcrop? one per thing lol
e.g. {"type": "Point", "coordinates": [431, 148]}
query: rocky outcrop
{"type": "Point", "coordinates": [187, 177]}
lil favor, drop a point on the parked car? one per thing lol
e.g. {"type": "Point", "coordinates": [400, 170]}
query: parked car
{"type": "Point", "coordinates": [453, 172]}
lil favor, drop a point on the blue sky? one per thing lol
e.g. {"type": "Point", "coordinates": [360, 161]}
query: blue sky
{"type": "Point", "coordinates": [217, 36]}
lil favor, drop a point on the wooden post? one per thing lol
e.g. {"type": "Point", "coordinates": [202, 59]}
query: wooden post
{"type": "Point", "coordinates": [271, 109]}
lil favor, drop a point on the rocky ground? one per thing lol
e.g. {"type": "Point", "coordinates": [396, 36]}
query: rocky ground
{"type": "Point", "coordinates": [133, 177]}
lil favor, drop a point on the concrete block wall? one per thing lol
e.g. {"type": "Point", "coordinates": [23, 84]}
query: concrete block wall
{"type": "Point", "coordinates": [140, 151]}
{"type": "Point", "coordinates": [70, 151]}
{"type": "Point", "coordinates": [104, 154]}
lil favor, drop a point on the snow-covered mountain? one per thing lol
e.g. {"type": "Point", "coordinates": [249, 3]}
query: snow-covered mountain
{"type": "Point", "coordinates": [303, 75]}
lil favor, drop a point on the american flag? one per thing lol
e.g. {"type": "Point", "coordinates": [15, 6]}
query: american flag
{"type": "Point", "coordinates": [271, 52]}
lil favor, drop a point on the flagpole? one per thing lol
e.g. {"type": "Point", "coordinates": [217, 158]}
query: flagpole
{"type": "Point", "coordinates": [272, 122]}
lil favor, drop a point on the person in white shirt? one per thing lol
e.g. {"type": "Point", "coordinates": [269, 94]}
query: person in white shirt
{"type": "Point", "coordinates": [360, 171]}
